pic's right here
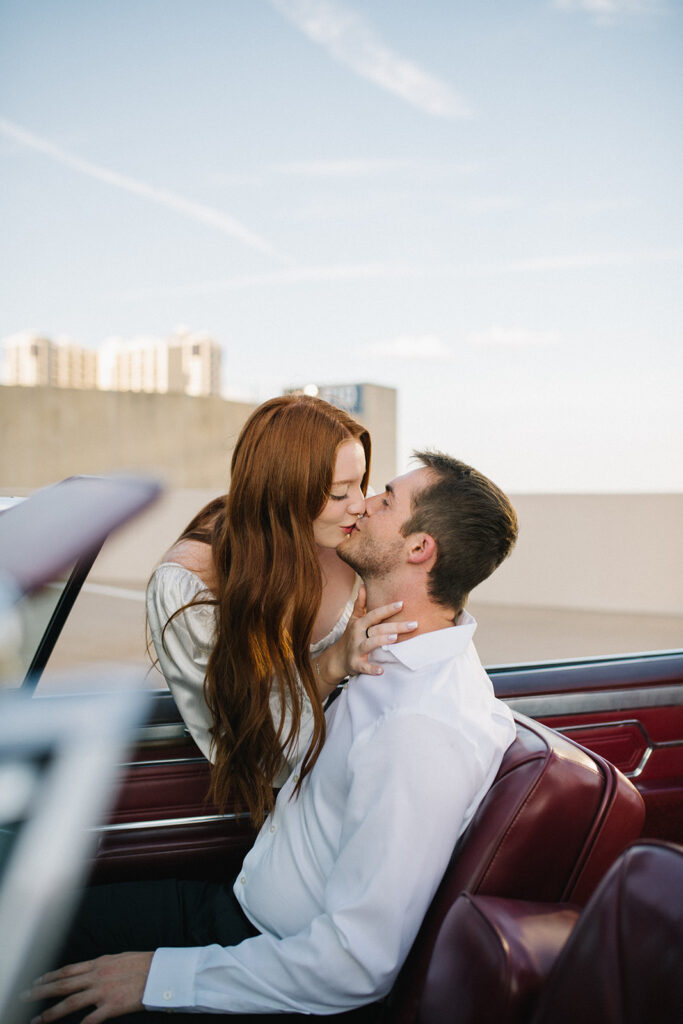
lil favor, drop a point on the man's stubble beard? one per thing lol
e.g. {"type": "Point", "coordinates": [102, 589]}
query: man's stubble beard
{"type": "Point", "coordinates": [372, 561]}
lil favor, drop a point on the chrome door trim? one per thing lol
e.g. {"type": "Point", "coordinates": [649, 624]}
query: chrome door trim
{"type": "Point", "coordinates": [162, 762]}
{"type": "Point", "coordinates": [650, 744]}
{"type": "Point", "coordinates": [159, 733]}
{"type": "Point", "coordinates": [552, 704]}
{"type": "Point", "coordinates": [199, 819]}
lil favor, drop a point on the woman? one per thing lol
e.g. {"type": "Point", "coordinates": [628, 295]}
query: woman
{"type": "Point", "coordinates": [252, 613]}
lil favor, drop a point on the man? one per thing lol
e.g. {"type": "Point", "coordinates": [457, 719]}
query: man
{"type": "Point", "coordinates": [332, 894]}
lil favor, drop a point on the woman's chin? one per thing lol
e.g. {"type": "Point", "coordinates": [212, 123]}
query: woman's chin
{"type": "Point", "coordinates": [328, 545]}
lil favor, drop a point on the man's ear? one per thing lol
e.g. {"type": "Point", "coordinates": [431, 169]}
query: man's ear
{"type": "Point", "coordinates": [421, 548]}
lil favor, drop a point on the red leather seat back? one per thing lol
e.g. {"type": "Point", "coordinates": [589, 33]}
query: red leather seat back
{"type": "Point", "coordinates": [622, 963]}
{"type": "Point", "coordinates": [554, 820]}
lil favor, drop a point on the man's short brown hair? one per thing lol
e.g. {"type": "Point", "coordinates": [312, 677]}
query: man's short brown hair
{"type": "Point", "coordinates": [471, 520]}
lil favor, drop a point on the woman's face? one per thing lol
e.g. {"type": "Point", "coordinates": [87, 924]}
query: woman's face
{"type": "Point", "coordinates": [346, 501]}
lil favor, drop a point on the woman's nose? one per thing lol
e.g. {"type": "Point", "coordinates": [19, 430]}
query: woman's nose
{"type": "Point", "coordinates": [357, 506]}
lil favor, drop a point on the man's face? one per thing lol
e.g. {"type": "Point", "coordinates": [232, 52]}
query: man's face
{"type": "Point", "coordinates": [376, 547]}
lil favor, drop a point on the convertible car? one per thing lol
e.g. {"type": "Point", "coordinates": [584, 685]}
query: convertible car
{"type": "Point", "coordinates": [572, 869]}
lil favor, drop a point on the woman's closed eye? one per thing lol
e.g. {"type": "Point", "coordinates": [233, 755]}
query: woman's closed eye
{"type": "Point", "coordinates": [339, 497]}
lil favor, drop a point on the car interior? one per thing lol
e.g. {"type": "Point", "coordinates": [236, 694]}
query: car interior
{"type": "Point", "coordinates": [544, 889]}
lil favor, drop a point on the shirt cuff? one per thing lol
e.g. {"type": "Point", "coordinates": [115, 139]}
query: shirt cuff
{"type": "Point", "coordinates": [170, 982]}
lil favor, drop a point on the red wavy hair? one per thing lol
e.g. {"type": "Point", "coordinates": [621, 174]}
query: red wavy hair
{"type": "Point", "coordinates": [269, 592]}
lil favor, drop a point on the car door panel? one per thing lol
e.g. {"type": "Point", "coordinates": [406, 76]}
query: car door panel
{"type": "Point", "coordinates": [629, 710]}
{"type": "Point", "coordinates": [163, 823]}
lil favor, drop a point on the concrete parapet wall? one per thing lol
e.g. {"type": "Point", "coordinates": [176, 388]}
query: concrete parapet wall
{"type": "Point", "coordinates": [51, 433]}
{"type": "Point", "coordinates": [607, 552]}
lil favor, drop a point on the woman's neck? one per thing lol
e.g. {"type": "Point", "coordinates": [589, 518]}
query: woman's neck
{"type": "Point", "coordinates": [338, 581]}
{"type": "Point", "coordinates": [332, 565]}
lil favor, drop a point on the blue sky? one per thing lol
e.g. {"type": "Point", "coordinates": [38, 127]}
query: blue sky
{"type": "Point", "coordinates": [476, 203]}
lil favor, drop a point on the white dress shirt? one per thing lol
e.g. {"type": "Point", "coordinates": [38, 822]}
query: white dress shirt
{"type": "Point", "coordinates": [340, 878]}
{"type": "Point", "coordinates": [187, 644]}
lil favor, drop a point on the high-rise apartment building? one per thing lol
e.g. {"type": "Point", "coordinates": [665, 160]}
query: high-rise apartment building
{"type": "Point", "coordinates": [74, 366]}
{"type": "Point", "coordinates": [185, 363]}
{"type": "Point", "coordinates": [133, 364]}
{"type": "Point", "coordinates": [29, 361]}
{"type": "Point", "coordinates": [200, 364]}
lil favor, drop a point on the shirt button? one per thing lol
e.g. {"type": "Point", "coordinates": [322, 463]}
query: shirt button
{"type": "Point", "coordinates": [295, 778]}
{"type": "Point", "coordinates": [273, 828]}
{"type": "Point", "coordinates": [168, 995]}
{"type": "Point", "coordinates": [243, 879]}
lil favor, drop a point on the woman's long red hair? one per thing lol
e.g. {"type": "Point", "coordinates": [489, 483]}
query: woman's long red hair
{"type": "Point", "coordinates": [269, 591]}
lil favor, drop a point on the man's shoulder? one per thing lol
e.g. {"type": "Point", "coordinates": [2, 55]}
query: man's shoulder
{"type": "Point", "coordinates": [435, 738]}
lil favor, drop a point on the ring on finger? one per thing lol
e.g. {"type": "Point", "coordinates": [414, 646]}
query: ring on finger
{"type": "Point", "coordinates": [367, 632]}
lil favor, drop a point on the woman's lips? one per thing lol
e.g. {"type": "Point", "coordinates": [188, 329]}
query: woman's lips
{"type": "Point", "coordinates": [348, 530]}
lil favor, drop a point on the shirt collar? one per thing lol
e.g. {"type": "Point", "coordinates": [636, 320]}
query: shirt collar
{"type": "Point", "coordinates": [429, 648]}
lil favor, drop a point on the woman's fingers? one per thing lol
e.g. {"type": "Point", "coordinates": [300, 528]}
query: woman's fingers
{"type": "Point", "coordinates": [385, 611]}
{"type": "Point", "coordinates": [386, 632]}
{"type": "Point", "coordinates": [378, 632]}
{"type": "Point", "coordinates": [368, 630]}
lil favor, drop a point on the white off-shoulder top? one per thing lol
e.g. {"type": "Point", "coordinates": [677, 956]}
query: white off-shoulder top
{"type": "Point", "coordinates": [187, 644]}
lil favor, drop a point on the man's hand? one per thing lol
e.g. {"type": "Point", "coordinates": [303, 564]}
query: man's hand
{"type": "Point", "coordinates": [112, 984]}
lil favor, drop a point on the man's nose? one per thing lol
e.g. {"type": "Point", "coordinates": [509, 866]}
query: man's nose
{"type": "Point", "coordinates": [371, 503]}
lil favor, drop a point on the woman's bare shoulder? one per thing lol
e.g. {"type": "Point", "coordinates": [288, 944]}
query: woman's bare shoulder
{"type": "Point", "coordinates": [196, 557]}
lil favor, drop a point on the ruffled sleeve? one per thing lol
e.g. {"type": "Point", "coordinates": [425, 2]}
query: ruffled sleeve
{"type": "Point", "coordinates": [184, 646]}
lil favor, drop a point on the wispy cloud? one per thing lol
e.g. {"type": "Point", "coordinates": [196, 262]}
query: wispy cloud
{"type": "Point", "coordinates": [590, 260]}
{"type": "Point", "coordinates": [428, 346]}
{"type": "Point", "coordinates": [410, 347]}
{"type": "Point", "coordinates": [186, 207]}
{"type": "Point", "coordinates": [362, 272]}
{"type": "Point", "coordinates": [349, 168]}
{"type": "Point", "coordinates": [360, 167]}
{"type": "Point", "coordinates": [511, 337]}
{"type": "Point", "coordinates": [477, 206]}
{"type": "Point", "coordinates": [586, 207]}
{"type": "Point", "coordinates": [292, 276]}
{"type": "Point", "coordinates": [608, 12]}
{"type": "Point", "coordinates": [348, 38]}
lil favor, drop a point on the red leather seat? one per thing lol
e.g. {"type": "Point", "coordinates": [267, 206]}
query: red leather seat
{"type": "Point", "coordinates": [555, 819]}
{"type": "Point", "coordinates": [491, 958]}
{"type": "Point", "coordinates": [623, 962]}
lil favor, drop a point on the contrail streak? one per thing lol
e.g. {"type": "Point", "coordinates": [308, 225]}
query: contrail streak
{"type": "Point", "coordinates": [196, 211]}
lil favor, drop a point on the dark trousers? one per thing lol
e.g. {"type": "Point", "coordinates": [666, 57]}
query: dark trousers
{"type": "Point", "coordinates": [141, 916]}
